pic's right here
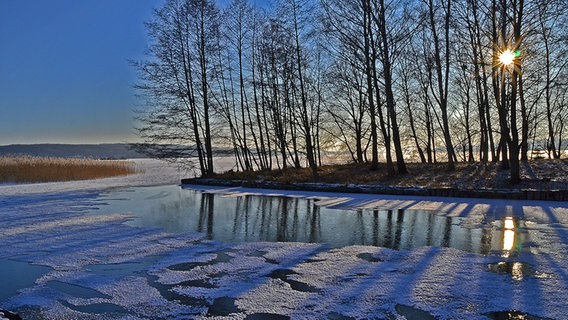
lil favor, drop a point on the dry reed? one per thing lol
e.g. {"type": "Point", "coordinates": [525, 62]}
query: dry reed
{"type": "Point", "coordinates": [25, 169]}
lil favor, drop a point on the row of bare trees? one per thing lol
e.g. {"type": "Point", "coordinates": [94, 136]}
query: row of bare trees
{"type": "Point", "coordinates": [382, 81]}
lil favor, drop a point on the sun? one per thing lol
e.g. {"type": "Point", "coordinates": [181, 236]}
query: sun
{"type": "Point", "coordinates": [506, 57]}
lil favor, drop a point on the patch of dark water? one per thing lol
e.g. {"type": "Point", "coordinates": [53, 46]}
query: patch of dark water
{"type": "Point", "coordinates": [141, 267]}
{"type": "Point", "coordinates": [222, 257]}
{"type": "Point", "coordinates": [200, 283]}
{"type": "Point", "coordinates": [9, 315]}
{"type": "Point", "coordinates": [124, 269]}
{"type": "Point", "coordinates": [517, 270]}
{"type": "Point", "coordinates": [258, 218]}
{"type": "Point", "coordinates": [266, 316]}
{"type": "Point", "coordinates": [96, 308]}
{"type": "Point", "coordinates": [512, 315]}
{"type": "Point", "coordinates": [412, 313]}
{"type": "Point", "coordinates": [167, 292]}
{"type": "Point", "coordinates": [260, 254]}
{"type": "Point", "coordinates": [283, 274]}
{"type": "Point", "coordinates": [368, 257]}
{"type": "Point", "coordinates": [16, 275]}
{"type": "Point", "coordinates": [223, 306]}
{"type": "Point", "coordinates": [338, 316]}
{"type": "Point", "coordinates": [76, 290]}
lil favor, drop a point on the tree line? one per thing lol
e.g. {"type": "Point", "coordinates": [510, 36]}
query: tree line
{"type": "Point", "coordinates": [381, 81]}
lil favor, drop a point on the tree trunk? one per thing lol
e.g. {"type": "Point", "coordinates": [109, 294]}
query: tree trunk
{"type": "Point", "coordinates": [368, 73]}
{"type": "Point", "coordinates": [387, 73]}
{"type": "Point", "coordinates": [442, 72]}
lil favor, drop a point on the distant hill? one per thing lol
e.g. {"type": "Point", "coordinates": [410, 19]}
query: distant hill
{"type": "Point", "coordinates": [94, 151]}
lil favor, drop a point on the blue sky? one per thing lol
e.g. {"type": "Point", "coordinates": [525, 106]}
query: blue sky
{"type": "Point", "coordinates": [64, 71]}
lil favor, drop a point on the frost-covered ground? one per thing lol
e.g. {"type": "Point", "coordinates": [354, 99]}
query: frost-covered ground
{"type": "Point", "coordinates": [93, 266]}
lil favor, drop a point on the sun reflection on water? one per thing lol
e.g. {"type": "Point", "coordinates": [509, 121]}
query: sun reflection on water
{"type": "Point", "coordinates": [517, 270]}
{"type": "Point", "coordinates": [508, 236]}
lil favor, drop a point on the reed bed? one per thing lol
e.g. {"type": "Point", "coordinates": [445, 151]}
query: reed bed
{"type": "Point", "coordinates": [27, 169]}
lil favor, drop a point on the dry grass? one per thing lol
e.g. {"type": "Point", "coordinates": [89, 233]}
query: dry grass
{"type": "Point", "coordinates": [25, 169]}
{"type": "Point", "coordinates": [535, 174]}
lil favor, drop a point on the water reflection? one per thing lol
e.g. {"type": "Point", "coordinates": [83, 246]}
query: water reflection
{"type": "Point", "coordinates": [508, 235]}
{"type": "Point", "coordinates": [513, 237]}
{"type": "Point", "coordinates": [247, 218]}
{"type": "Point", "coordinates": [517, 270]}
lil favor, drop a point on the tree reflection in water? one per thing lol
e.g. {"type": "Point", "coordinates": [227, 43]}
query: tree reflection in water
{"type": "Point", "coordinates": [248, 218]}
{"type": "Point", "coordinates": [206, 215]}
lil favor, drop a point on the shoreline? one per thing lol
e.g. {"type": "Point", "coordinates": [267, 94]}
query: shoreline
{"type": "Point", "coordinates": [508, 194]}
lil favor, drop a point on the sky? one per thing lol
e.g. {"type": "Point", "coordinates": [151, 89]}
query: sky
{"type": "Point", "coordinates": [65, 75]}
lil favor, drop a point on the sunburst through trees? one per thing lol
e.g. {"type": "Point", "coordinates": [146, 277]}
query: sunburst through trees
{"type": "Point", "coordinates": [388, 81]}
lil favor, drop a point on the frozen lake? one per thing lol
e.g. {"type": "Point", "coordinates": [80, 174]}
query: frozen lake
{"type": "Point", "coordinates": [215, 253]}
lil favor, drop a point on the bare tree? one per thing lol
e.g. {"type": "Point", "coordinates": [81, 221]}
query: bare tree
{"type": "Point", "coordinates": [441, 11]}
{"type": "Point", "coordinates": [296, 9]}
{"type": "Point", "coordinates": [389, 39]}
{"type": "Point", "coordinates": [373, 77]}
{"type": "Point", "coordinates": [176, 77]}
{"type": "Point", "coordinates": [552, 21]}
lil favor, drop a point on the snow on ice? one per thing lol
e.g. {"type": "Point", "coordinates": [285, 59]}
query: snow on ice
{"type": "Point", "coordinates": [98, 267]}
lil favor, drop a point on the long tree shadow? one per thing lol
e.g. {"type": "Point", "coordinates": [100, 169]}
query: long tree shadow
{"type": "Point", "coordinates": [107, 240]}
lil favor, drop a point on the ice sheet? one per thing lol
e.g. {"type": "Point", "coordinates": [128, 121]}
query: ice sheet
{"type": "Point", "coordinates": [142, 273]}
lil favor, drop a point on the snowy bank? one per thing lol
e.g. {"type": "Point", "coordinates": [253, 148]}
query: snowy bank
{"type": "Point", "coordinates": [489, 193]}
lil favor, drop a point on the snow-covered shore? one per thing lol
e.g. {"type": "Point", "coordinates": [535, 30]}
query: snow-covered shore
{"type": "Point", "coordinates": [98, 267]}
